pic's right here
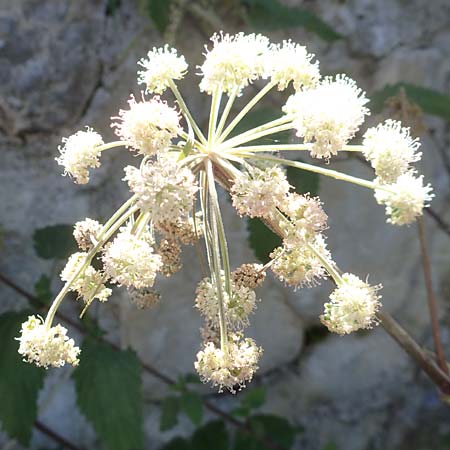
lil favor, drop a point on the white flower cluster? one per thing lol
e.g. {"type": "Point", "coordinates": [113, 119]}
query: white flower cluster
{"type": "Point", "coordinates": [89, 284]}
{"type": "Point", "coordinates": [390, 149]}
{"type": "Point", "coordinates": [328, 115]}
{"type": "Point", "coordinates": [79, 153]}
{"type": "Point", "coordinates": [353, 306]}
{"type": "Point", "coordinates": [161, 66]}
{"type": "Point", "coordinates": [147, 126]}
{"type": "Point", "coordinates": [291, 62]}
{"type": "Point", "coordinates": [233, 62]}
{"type": "Point", "coordinates": [404, 199]}
{"type": "Point", "coordinates": [131, 261]}
{"type": "Point", "coordinates": [86, 232]}
{"type": "Point", "coordinates": [259, 192]}
{"type": "Point", "coordinates": [165, 189]}
{"type": "Point", "coordinates": [238, 306]}
{"type": "Point", "coordinates": [298, 265]}
{"type": "Point", "coordinates": [234, 368]}
{"type": "Point", "coordinates": [46, 347]}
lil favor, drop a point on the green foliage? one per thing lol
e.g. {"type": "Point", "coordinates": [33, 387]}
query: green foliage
{"type": "Point", "coordinates": [266, 427]}
{"type": "Point", "coordinates": [192, 405]}
{"type": "Point", "coordinates": [262, 239]}
{"type": "Point", "coordinates": [109, 393]}
{"type": "Point", "coordinates": [112, 6]}
{"type": "Point", "coordinates": [20, 382]}
{"type": "Point", "coordinates": [54, 242]}
{"type": "Point", "coordinates": [212, 436]}
{"type": "Point", "coordinates": [178, 444]}
{"type": "Point", "coordinates": [42, 289]}
{"type": "Point", "coordinates": [273, 15]}
{"type": "Point", "coordinates": [159, 12]}
{"type": "Point", "coordinates": [253, 399]}
{"type": "Point", "coordinates": [169, 413]}
{"type": "Point", "coordinates": [303, 181]}
{"type": "Point", "coordinates": [431, 101]}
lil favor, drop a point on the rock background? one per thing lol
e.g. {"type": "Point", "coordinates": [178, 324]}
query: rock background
{"type": "Point", "coordinates": [64, 65]}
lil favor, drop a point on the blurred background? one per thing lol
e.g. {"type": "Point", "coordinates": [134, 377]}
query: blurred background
{"type": "Point", "coordinates": [68, 64]}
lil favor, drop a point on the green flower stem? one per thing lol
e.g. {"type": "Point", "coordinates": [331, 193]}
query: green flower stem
{"type": "Point", "coordinates": [215, 105]}
{"type": "Point", "coordinates": [270, 148]}
{"type": "Point", "coordinates": [109, 145]}
{"type": "Point", "coordinates": [91, 297]}
{"type": "Point", "coordinates": [113, 224]}
{"type": "Point", "coordinates": [245, 110]}
{"type": "Point", "coordinates": [226, 112]}
{"type": "Point", "coordinates": [186, 111]}
{"type": "Point", "coordinates": [327, 172]}
{"type": "Point", "coordinates": [247, 136]}
{"type": "Point", "coordinates": [216, 259]}
{"type": "Point", "coordinates": [188, 138]}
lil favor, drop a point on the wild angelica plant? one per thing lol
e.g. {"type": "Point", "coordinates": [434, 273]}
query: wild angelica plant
{"type": "Point", "coordinates": [175, 199]}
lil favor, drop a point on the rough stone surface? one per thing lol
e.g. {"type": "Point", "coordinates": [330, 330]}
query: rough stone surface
{"type": "Point", "coordinates": [65, 65]}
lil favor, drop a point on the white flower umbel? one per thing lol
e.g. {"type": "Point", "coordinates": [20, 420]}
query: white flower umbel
{"type": "Point", "coordinates": [291, 62]}
{"type": "Point", "coordinates": [46, 347]}
{"type": "Point", "coordinates": [257, 193]}
{"type": "Point", "coordinates": [299, 266]}
{"type": "Point", "coordinates": [85, 233]}
{"type": "Point", "coordinates": [89, 284]}
{"type": "Point", "coordinates": [390, 149]}
{"type": "Point", "coordinates": [238, 306]}
{"type": "Point", "coordinates": [164, 189]}
{"type": "Point", "coordinates": [306, 215]}
{"type": "Point", "coordinates": [231, 369]}
{"type": "Point", "coordinates": [233, 62]}
{"type": "Point", "coordinates": [329, 115]}
{"type": "Point", "coordinates": [131, 261]}
{"type": "Point", "coordinates": [404, 199]}
{"type": "Point", "coordinates": [79, 153]}
{"type": "Point", "coordinates": [353, 306]}
{"type": "Point", "coordinates": [148, 126]}
{"type": "Point", "coordinates": [161, 66]}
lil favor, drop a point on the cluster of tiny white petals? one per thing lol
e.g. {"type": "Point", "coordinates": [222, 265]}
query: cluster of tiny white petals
{"type": "Point", "coordinates": [390, 149]}
{"type": "Point", "coordinates": [131, 261]}
{"type": "Point", "coordinates": [306, 215]}
{"type": "Point", "coordinates": [353, 306]}
{"type": "Point", "coordinates": [328, 115]}
{"type": "Point", "coordinates": [258, 193]}
{"type": "Point", "coordinates": [89, 283]}
{"type": "Point", "coordinates": [238, 306]}
{"type": "Point", "coordinates": [233, 62]}
{"type": "Point", "coordinates": [404, 199]}
{"type": "Point", "coordinates": [299, 266]}
{"type": "Point", "coordinates": [79, 153]}
{"type": "Point", "coordinates": [291, 62]}
{"type": "Point", "coordinates": [161, 66]}
{"type": "Point", "coordinates": [232, 369]}
{"type": "Point", "coordinates": [164, 189]}
{"type": "Point", "coordinates": [148, 126]}
{"type": "Point", "coordinates": [85, 233]}
{"type": "Point", "coordinates": [46, 347]}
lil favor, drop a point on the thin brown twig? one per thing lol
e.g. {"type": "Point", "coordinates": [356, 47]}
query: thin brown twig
{"type": "Point", "coordinates": [267, 441]}
{"type": "Point", "coordinates": [431, 297]}
{"type": "Point", "coordinates": [55, 436]}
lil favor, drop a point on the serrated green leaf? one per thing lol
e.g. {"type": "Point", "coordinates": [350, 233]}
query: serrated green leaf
{"type": "Point", "coordinates": [257, 117]}
{"type": "Point", "coordinates": [54, 242]}
{"type": "Point", "coordinates": [212, 436]}
{"type": "Point", "coordinates": [431, 101]}
{"type": "Point", "coordinates": [266, 427]}
{"type": "Point", "coordinates": [169, 413]}
{"type": "Point", "coordinates": [159, 12]}
{"type": "Point", "coordinates": [273, 15]}
{"type": "Point", "coordinates": [178, 444]}
{"type": "Point", "coordinates": [109, 393]}
{"type": "Point", "coordinates": [303, 181]}
{"type": "Point", "coordinates": [192, 405]}
{"type": "Point", "coordinates": [254, 398]}
{"type": "Point", "coordinates": [261, 239]}
{"type": "Point", "coordinates": [20, 382]}
{"type": "Point", "coordinates": [42, 289]}
{"type": "Point", "coordinates": [192, 378]}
